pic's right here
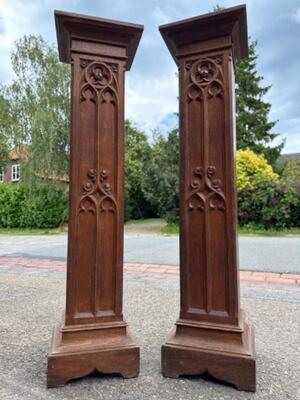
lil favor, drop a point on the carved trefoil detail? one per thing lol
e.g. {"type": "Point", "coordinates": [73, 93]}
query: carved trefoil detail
{"type": "Point", "coordinates": [206, 191]}
{"type": "Point", "coordinates": [97, 193]}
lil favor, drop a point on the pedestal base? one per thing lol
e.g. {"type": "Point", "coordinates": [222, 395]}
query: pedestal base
{"type": "Point", "coordinates": [226, 353]}
{"type": "Point", "coordinates": [78, 351]}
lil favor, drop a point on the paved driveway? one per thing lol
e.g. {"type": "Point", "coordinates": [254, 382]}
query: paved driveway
{"type": "Point", "coordinates": [31, 304]}
{"type": "Point", "coordinates": [275, 254]}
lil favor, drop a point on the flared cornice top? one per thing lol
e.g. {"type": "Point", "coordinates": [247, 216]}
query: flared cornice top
{"type": "Point", "coordinates": [228, 23]}
{"type": "Point", "coordinates": [71, 26]}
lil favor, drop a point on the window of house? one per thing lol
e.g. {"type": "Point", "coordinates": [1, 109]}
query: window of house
{"type": "Point", "coordinates": [1, 174]}
{"type": "Point", "coordinates": [15, 172]}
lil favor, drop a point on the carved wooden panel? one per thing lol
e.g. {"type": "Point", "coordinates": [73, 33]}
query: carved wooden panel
{"type": "Point", "coordinates": [96, 264]}
{"type": "Point", "coordinates": [206, 190]}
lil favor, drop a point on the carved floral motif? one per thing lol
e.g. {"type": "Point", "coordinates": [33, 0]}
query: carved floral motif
{"type": "Point", "coordinates": [206, 79]}
{"type": "Point", "coordinates": [205, 190]}
{"type": "Point", "coordinates": [99, 82]}
{"type": "Point", "coordinates": [97, 193]}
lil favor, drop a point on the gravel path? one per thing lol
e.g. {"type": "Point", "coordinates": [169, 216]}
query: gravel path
{"type": "Point", "coordinates": [32, 301]}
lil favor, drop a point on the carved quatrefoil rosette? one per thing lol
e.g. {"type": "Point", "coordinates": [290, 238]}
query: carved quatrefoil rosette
{"type": "Point", "coordinates": [206, 191]}
{"type": "Point", "coordinates": [206, 79]}
{"type": "Point", "coordinates": [98, 75]}
{"type": "Point", "coordinates": [99, 82]}
{"type": "Point", "coordinates": [204, 71]}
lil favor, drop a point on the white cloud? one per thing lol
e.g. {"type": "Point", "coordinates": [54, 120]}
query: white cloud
{"type": "Point", "coordinates": [293, 143]}
{"type": "Point", "coordinates": [17, 20]}
{"type": "Point", "coordinates": [296, 15]}
{"type": "Point", "coordinates": [151, 86]}
{"type": "Point", "coordinates": [150, 99]}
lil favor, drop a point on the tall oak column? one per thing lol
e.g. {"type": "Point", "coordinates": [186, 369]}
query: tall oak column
{"type": "Point", "coordinates": [211, 334]}
{"type": "Point", "coordinates": [94, 336]}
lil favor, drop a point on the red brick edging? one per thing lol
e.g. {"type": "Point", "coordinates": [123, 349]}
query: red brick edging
{"type": "Point", "coordinates": [8, 262]}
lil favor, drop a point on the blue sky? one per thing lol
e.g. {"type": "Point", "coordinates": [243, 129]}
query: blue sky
{"type": "Point", "coordinates": [151, 85]}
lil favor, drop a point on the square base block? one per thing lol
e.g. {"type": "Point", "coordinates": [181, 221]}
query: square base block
{"type": "Point", "coordinates": [79, 351]}
{"type": "Point", "coordinates": [228, 356]}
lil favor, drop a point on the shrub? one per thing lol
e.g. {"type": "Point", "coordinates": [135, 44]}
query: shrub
{"type": "Point", "coordinates": [22, 206]}
{"type": "Point", "coordinates": [252, 168]}
{"type": "Point", "coordinates": [291, 175]}
{"type": "Point", "coordinates": [269, 205]}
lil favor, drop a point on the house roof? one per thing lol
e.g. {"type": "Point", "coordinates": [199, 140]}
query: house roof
{"type": "Point", "coordinates": [13, 155]}
{"type": "Point", "coordinates": [20, 149]}
{"type": "Point", "coordinates": [288, 157]}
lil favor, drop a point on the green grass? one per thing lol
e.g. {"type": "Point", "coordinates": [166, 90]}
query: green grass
{"type": "Point", "coordinates": [143, 221]}
{"type": "Point", "coordinates": [27, 231]}
{"type": "Point", "coordinates": [248, 231]}
{"type": "Point", "coordinates": [170, 229]}
{"type": "Point", "coordinates": [243, 231]}
{"type": "Point", "coordinates": [63, 229]}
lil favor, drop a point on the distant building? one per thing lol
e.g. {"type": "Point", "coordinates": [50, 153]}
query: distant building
{"type": "Point", "coordinates": [288, 157]}
{"type": "Point", "coordinates": [12, 172]}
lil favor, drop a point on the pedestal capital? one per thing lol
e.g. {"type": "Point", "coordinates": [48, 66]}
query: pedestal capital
{"type": "Point", "coordinates": [75, 27]}
{"type": "Point", "coordinates": [213, 30]}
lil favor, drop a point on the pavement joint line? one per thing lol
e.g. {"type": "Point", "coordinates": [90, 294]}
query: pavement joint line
{"type": "Point", "coordinates": [7, 262]}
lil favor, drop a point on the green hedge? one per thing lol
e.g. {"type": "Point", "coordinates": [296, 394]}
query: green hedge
{"type": "Point", "coordinates": [22, 206]}
{"type": "Point", "coordinates": [269, 205]}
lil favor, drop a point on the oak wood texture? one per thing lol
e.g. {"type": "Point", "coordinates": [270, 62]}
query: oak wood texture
{"type": "Point", "coordinates": [94, 335]}
{"type": "Point", "coordinates": [210, 335]}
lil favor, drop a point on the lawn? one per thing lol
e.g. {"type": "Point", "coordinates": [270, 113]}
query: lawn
{"type": "Point", "coordinates": [28, 231]}
{"type": "Point", "coordinates": [243, 231]}
{"type": "Point", "coordinates": [164, 229]}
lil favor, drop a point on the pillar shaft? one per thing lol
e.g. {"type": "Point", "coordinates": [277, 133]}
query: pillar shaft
{"type": "Point", "coordinates": [94, 335]}
{"type": "Point", "coordinates": [205, 49]}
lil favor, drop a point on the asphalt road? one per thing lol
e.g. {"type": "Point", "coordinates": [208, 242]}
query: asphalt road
{"type": "Point", "coordinates": [270, 254]}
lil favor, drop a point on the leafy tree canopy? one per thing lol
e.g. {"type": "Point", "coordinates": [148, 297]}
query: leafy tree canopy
{"type": "Point", "coordinates": [291, 174]}
{"type": "Point", "coordinates": [162, 180]}
{"type": "Point", "coordinates": [4, 130]}
{"type": "Point", "coordinates": [254, 130]}
{"type": "Point", "coordinates": [37, 108]}
{"type": "Point", "coordinates": [137, 159]}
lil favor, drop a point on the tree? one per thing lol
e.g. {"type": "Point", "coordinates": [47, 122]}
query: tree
{"type": "Point", "coordinates": [291, 175]}
{"type": "Point", "coordinates": [137, 159]}
{"type": "Point", "coordinates": [4, 129]}
{"type": "Point", "coordinates": [254, 130]}
{"type": "Point", "coordinates": [218, 8]}
{"type": "Point", "coordinates": [38, 107]}
{"type": "Point", "coordinates": [162, 180]}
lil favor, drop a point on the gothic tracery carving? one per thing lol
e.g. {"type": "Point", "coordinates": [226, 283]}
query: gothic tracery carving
{"type": "Point", "coordinates": [99, 82]}
{"type": "Point", "coordinates": [206, 79]}
{"type": "Point", "coordinates": [97, 193]}
{"type": "Point", "coordinates": [206, 190]}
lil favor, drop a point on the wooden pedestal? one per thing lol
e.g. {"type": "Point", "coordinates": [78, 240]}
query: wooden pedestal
{"type": "Point", "coordinates": [210, 335]}
{"type": "Point", "coordinates": [94, 335]}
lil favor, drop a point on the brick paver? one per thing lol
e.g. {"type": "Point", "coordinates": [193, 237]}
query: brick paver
{"type": "Point", "coordinates": [166, 270]}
